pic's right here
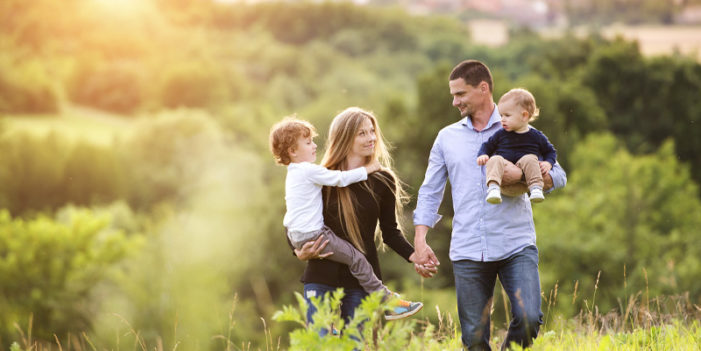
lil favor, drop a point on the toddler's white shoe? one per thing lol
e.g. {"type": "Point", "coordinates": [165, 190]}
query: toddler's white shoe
{"type": "Point", "coordinates": [494, 195]}
{"type": "Point", "coordinates": [537, 195]}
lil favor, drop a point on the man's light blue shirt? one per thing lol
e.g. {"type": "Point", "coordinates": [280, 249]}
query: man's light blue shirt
{"type": "Point", "coordinates": [481, 231]}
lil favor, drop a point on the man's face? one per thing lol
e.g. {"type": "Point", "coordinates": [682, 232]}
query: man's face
{"type": "Point", "coordinates": [465, 97]}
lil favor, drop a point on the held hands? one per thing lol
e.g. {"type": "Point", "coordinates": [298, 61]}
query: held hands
{"type": "Point", "coordinates": [373, 166]}
{"type": "Point", "coordinates": [482, 160]}
{"type": "Point", "coordinates": [545, 167]}
{"type": "Point", "coordinates": [312, 249]}
{"type": "Point", "coordinates": [425, 261]}
{"type": "Point", "coordinates": [424, 270]}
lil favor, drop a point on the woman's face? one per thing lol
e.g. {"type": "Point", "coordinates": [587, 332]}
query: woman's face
{"type": "Point", "coordinates": [364, 142]}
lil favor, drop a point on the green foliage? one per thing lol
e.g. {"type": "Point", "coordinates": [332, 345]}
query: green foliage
{"type": "Point", "coordinates": [164, 168]}
{"type": "Point", "coordinates": [365, 331]}
{"type": "Point", "coordinates": [43, 174]}
{"type": "Point", "coordinates": [49, 269]}
{"type": "Point", "coordinates": [193, 84]}
{"type": "Point", "coordinates": [25, 86]}
{"type": "Point", "coordinates": [214, 199]}
{"type": "Point", "coordinates": [633, 218]}
{"type": "Point", "coordinates": [117, 87]}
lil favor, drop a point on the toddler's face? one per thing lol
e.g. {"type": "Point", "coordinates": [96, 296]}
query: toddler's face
{"type": "Point", "coordinates": [514, 118]}
{"type": "Point", "coordinates": [305, 151]}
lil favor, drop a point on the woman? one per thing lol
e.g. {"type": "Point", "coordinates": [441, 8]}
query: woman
{"type": "Point", "coordinates": [354, 212]}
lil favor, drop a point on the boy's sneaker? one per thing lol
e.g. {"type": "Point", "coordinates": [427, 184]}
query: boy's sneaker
{"type": "Point", "coordinates": [494, 195]}
{"type": "Point", "coordinates": [403, 309]}
{"type": "Point", "coordinates": [537, 195]}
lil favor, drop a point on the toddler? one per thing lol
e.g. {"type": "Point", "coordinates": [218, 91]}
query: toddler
{"type": "Point", "coordinates": [518, 143]}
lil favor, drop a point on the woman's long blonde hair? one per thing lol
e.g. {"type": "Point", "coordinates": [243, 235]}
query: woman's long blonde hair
{"type": "Point", "coordinates": [342, 133]}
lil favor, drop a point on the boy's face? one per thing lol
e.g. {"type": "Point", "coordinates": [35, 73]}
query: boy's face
{"type": "Point", "coordinates": [304, 151]}
{"type": "Point", "coordinates": [514, 118]}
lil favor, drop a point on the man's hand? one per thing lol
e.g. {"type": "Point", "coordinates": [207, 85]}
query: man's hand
{"type": "Point", "coordinates": [423, 254]}
{"type": "Point", "coordinates": [426, 271]}
{"type": "Point", "coordinates": [312, 249]}
{"type": "Point", "coordinates": [545, 167]}
{"type": "Point", "coordinates": [482, 160]}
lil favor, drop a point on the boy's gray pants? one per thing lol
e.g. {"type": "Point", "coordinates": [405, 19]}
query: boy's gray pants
{"type": "Point", "coordinates": [343, 252]}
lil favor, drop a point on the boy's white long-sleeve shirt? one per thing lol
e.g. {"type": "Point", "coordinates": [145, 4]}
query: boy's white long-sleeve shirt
{"type": "Point", "coordinates": [303, 193]}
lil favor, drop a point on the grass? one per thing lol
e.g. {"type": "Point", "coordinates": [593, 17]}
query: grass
{"type": "Point", "coordinates": [641, 323]}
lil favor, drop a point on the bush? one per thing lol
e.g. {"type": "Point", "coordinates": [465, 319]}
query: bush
{"type": "Point", "coordinates": [117, 87]}
{"type": "Point", "coordinates": [25, 87]}
{"type": "Point", "coordinates": [193, 85]}
{"type": "Point", "coordinates": [49, 268]}
{"type": "Point", "coordinates": [43, 174]}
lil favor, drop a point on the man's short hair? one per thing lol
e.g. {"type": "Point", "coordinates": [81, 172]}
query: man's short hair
{"type": "Point", "coordinates": [473, 72]}
{"type": "Point", "coordinates": [284, 136]}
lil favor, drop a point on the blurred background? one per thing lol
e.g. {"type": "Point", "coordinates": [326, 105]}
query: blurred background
{"type": "Point", "coordinates": [139, 202]}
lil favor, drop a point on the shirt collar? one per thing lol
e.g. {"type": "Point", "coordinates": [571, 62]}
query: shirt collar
{"type": "Point", "coordinates": [494, 118]}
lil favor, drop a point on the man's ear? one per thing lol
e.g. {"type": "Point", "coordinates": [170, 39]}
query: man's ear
{"type": "Point", "coordinates": [484, 87]}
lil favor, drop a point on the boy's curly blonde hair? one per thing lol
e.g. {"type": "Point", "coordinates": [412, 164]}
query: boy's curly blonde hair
{"type": "Point", "coordinates": [284, 136]}
{"type": "Point", "coordinates": [523, 98]}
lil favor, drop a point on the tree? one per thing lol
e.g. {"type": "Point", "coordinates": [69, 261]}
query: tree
{"type": "Point", "coordinates": [634, 218]}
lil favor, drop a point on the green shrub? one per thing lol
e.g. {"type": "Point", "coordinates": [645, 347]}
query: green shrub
{"type": "Point", "coordinates": [48, 269]}
{"type": "Point", "coordinates": [196, 84]}
{"type": "Point", "coordinates": [118, 87]}
{"type": "Point", "coordinates": [25, 87]}
{"type": "Point", "coordinates": [367, 329]}
{"type": "Point", "coordinates": [45, 173]}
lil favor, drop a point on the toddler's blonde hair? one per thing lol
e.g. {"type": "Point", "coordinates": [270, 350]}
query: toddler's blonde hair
{"type": "Point", "coordinates": [523, 98]}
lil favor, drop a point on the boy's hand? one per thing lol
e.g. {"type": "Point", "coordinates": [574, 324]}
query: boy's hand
{"type": "Point", "coordinates": [373, 166]}
{"type": "Point", "coordinates": [482, 160]}
{"type": "Point", "coordinates": [545, 167]}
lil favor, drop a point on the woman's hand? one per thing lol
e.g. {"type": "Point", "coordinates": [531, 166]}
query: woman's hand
{"type": "Point", "coordinates": [424, 270]}
{"type": "Point", "coordinates": [312, 249]}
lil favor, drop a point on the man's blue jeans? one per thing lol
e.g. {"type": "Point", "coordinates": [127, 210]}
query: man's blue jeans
{"type": "Point", "coordinates": [351, 300]}
{"type": "Point", "coordinates": [474, 284]}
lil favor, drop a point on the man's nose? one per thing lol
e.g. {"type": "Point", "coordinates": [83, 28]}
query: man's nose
{"type": "Point", "coordinates": [456, 102]}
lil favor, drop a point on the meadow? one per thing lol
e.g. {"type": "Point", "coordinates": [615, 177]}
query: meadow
{"type": "Point", "coordinates": [140, 208]}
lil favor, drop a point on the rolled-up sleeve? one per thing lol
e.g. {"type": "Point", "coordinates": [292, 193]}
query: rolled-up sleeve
{"type": "Point", "coordinates": [431, 191]}
{"type": "Point", "coordinates": [559, 177]}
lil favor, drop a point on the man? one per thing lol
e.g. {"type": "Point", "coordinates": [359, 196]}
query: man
{"type": "Point", "coordinates": [488, 241]}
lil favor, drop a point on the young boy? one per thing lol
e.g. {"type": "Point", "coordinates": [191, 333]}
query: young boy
{"type": "Point", "coordinates": [291, 144]}
{"type": "Point", "coordinates": [518, 143]}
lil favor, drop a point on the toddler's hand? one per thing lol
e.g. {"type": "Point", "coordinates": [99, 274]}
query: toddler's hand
{"type": "Point", "coordinates": [482, 160]}
{"type": "Point", "coordinates": [545, 167]}
{"type": "Point", "coordinates": [373, 166]}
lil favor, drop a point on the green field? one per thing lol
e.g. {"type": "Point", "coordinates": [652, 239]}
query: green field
{"type": "Point", "coordinates": [76, 123]}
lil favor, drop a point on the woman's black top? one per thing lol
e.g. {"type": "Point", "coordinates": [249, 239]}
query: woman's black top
{"type": "Point", "coordinates": [368, 211]}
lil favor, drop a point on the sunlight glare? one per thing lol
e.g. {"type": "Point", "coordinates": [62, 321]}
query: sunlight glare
{"type": "Point", "coordinates": [119, 5]}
